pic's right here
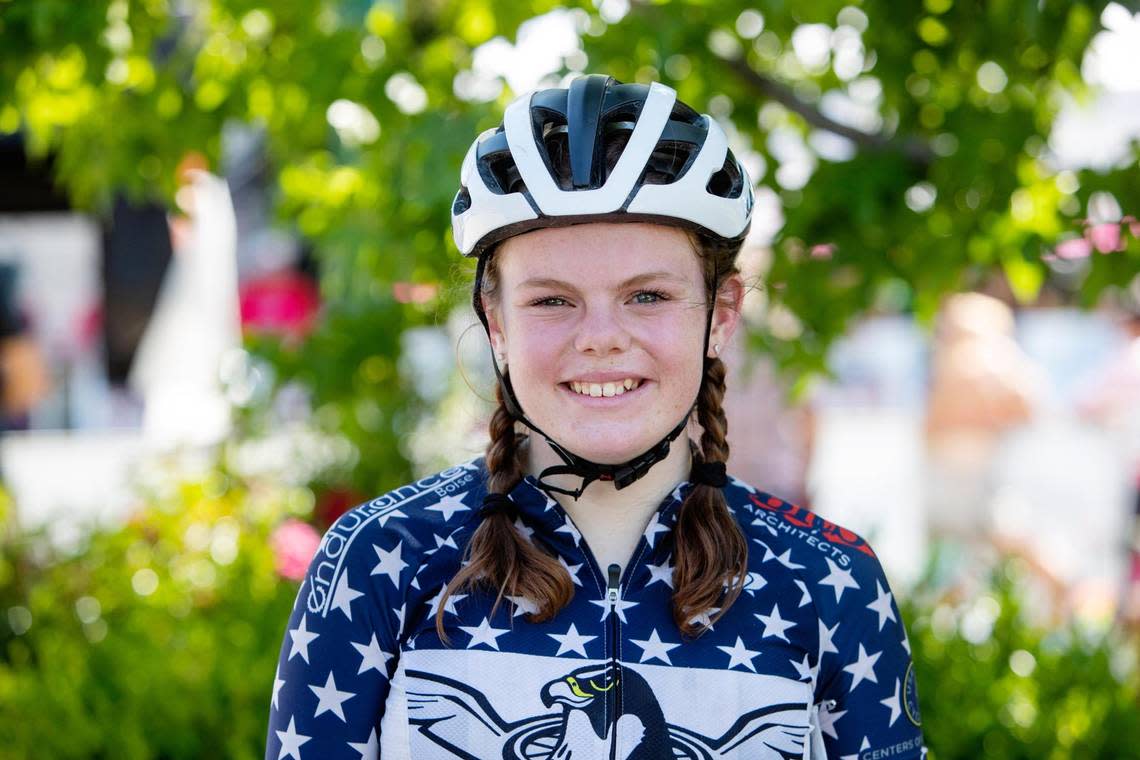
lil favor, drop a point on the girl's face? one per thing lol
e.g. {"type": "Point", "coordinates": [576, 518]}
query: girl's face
{"type": "Point", "coordinates": [602, 327]}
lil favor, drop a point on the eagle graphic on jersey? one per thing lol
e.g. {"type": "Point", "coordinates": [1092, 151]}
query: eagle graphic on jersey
{"type": "Point", "coordinates": [458, 717]}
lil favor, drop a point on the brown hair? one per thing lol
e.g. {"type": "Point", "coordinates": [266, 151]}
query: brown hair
{"type": "Point", "coordinates": [710, 552]}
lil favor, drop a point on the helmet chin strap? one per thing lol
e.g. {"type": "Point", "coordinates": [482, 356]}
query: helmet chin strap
{"type": "Point", "coordinates": [621, 475]}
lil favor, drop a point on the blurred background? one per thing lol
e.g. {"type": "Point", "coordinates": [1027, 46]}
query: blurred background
{"type": "Point", "coordinates": [231, 309]}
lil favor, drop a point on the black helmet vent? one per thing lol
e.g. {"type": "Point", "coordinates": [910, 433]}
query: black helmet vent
{"type": "Point", "coordinates": [501, 174]}
{"type": "Point", "coordinates": [728, 182]}
{"type": "Point", "coordinates": [461, 203]}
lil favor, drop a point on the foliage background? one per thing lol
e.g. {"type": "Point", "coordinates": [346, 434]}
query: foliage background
{"type": "Point", "coordinates": [119, 91]}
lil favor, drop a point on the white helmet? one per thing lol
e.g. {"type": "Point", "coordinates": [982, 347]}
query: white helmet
{"type": "Point", "coordinates": [675, 167]}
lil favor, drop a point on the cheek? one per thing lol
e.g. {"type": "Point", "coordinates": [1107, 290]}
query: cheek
{"type": "Point", "coordinates": [533, 348]}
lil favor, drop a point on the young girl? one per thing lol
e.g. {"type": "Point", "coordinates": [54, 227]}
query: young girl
{"type": "Point", "coordinates": [596, 586]}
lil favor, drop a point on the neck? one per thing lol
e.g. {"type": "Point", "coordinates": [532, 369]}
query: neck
{"type": "Point", "coordinates": [612, 521]}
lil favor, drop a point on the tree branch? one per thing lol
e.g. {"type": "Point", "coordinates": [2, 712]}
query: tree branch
{"type": "Point", "coordinates": [915, 149]}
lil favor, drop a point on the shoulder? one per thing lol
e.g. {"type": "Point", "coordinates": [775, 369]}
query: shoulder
{"type": "Point", "coordinates": [438, 501]}
{"type": "Point", "coordinates": [817, 550]}
{"type": "Point", "coordinates": [386, 538]}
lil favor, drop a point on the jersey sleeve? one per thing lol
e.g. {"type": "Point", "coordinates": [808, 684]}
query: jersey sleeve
{"type": "Point", "coordinates": [866, 691]}
{"type": "Point", "coordinates": [340, 647]}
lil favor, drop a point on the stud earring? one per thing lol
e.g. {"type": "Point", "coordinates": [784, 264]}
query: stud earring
{"type": "Point", "coordinates": [716, 349]}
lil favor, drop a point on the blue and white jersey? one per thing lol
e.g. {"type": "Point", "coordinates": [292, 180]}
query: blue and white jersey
{"type": "Point", "coordinates": [811, 661]}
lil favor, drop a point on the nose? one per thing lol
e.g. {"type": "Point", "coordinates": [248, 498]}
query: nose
{"type": "Point", "coordinates": [601, 333]}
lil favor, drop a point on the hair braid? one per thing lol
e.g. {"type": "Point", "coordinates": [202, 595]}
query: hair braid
{"type": "Point", "coordinates": [498, 556]}
{"type": "Point", "coordinates": [711, 556]}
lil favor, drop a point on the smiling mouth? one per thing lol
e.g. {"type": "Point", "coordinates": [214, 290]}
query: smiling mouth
{"type": "Point", "coordinates": [597, 390]}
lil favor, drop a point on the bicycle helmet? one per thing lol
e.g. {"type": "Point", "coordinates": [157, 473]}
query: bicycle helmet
{"type": "Point", "coordinates": [675, 168]}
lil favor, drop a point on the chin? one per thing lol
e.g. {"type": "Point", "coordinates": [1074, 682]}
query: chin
{"type": "Point", "coordinates": [612, 445]}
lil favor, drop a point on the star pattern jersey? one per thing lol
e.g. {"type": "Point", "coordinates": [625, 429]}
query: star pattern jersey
{"type": "Point", "coordinates": [811, 661]}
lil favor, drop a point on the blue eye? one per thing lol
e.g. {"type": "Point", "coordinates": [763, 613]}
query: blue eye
{"type": "Point", "coordinates": [649, 296]}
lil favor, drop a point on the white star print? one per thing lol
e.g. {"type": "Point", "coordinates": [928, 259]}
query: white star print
{"type": "Point", "coordinates": [784, 559]}
{"type": "Point", "coordinates": [390, 563]}
{"type": "Point", "coordinates": [906, 642]}
{"type": "Point", "coordinates": [620, 606]}
{"type": "Point", "coordinates": [521, 527]}
{"type": "Point", "coordinates": [572, 569]}
{"type": "Point", "coordinates": [802, 668]}
{"type": "Point", "coordinates": [838, 579]}
{"type": "Point", "coordinates": [864, 746]}
{"type": "Point", "coordinates": [827, 719]}
{"type": "Point", "coordinates": [705, 618]}
{"type": "Point", "coordinates": [383, 519]}
{"type": "Point", "coordinates": [568, 527]}
{"type": "Point", "coordinates": [753, 582]}
{"type": "Point", "coordinates": [825, 639]}
{"type": "Point", "coordinates": [523, 606]}
{"type": "Point", "coordinates": [863, 669]}
{"type": "Point", "coordinates": [400, 618]}
{"type": "Point", "coordinates": [654, 528]}
{"type": "Point", "coordinates": [291, 742]}
{"type": "Point", "coordinates": [483, 634]}
{"type": "Point", "coordinates": [372, 657]}
{"type": "Point", "coordinates": [882, 605]}
{"type": "Point", "coordinates": [741, 484]}
{"type": "Point", "coordinates": [893, 703]}
{"type": "Point", "coordinates": [763, 523]}
{"type": "Point", "coordinates": [805, 599]}
{"type": "Point", "coordinates": [774, 625]}
{"type": "Point", "coordinates": [344, 596]}
{"type": "Point", "coordinates": [277, 684]}
{"type": "Point", "coordinates": [449, 505]}
{"type": "Point", "coordinates": [655, 647]}
{"type": "Point", "coordinates": [301, 637]}
{"type": "Point", "coordinates": [738, 654]}
{"type": "Point", "coordinates": [448, 607]}
{"type": "Point", "coordinates": [550, 504]}
{"type": "Point", "coordinates": [441, 542]}
{"type": "Point", "coordinates": [662, 572]}
{"type": "Point", "coordinates": [329, 699]}
{"type": "Point", "coordinates": [369, 750]}
{"type": "Point", "coordinates": [571, 641]}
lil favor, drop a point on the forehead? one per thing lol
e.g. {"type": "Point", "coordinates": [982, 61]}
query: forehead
{"type": "Point", "coordinates": [597, 253]}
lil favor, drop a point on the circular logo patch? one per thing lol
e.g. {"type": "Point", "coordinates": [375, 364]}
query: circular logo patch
{"type": "Point", "coordinates": [910, 696]}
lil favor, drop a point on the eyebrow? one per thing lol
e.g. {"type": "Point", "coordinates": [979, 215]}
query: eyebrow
{"type": "Point", "coordinates": [640, 279]}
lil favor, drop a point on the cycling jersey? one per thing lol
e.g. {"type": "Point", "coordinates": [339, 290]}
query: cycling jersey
{"type": "Point", "coordinates": [811, 660]}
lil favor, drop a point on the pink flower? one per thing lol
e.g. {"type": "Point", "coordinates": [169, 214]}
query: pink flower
{"type": "Point", "coordinates": [822, 251]}
{"type": "Point", "coordinates": [294, 543]}
{"type": "Point", "coordinates": [1074, 248]}
{"type": "Point", "coordinates": [1106, 237]}
{"type": "Point", "coordinates": [410, 292]}
{"type": "Point", "coordinates": [283, 303]}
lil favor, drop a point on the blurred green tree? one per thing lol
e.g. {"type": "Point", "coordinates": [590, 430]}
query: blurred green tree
{"type": "Point", "coordinates": [905, 143]}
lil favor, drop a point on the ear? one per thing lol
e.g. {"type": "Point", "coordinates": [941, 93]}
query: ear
{"type": "Point", "coordinates": [495, 330]}
{"type": "Point", "coordinates": [726, 313]}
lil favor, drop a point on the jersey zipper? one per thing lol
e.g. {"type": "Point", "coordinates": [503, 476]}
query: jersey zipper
{"type": "Point", "coordinates": [613, 593]}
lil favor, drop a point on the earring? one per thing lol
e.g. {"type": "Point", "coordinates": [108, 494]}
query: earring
{"type": "Point", "coordinates": [716, 349]}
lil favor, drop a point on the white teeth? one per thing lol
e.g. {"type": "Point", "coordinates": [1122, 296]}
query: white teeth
{"type": "Point", "coordinates": [597, 390]}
